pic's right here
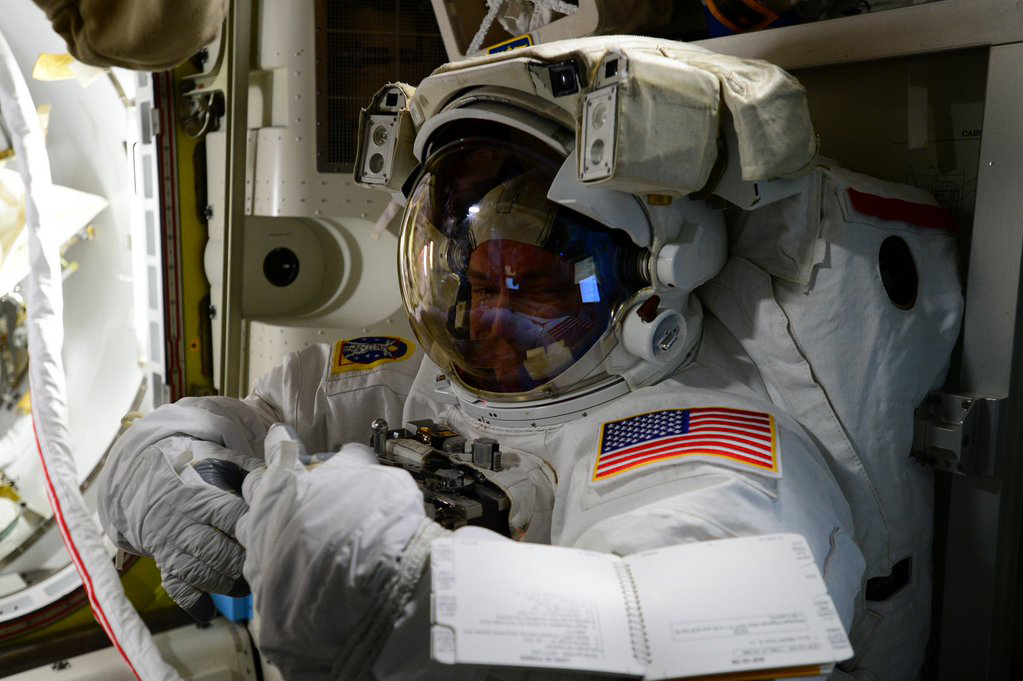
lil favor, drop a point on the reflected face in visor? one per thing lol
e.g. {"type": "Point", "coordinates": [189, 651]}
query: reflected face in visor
{"type": "Point", "coordinates": [522, 298]}
{"type": "Point", "coordinates": [505, 289]}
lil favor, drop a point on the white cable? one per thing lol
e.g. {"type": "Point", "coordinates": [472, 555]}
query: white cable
{"type": "Point", "coordinates": [82, 537]}
{"type": "Point", "coordinates": [537, 19]}
{"type": "Point", "coordinates": [494, 8]}
{"type": "Point", "coordinates": [557, 5]}
{"type": "Point", "coordinates": [392, 210]}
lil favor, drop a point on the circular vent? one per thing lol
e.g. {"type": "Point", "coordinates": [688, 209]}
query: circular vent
{"type": "Point", "coordinates": [898, 272]}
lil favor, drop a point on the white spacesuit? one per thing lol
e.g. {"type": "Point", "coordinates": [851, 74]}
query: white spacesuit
{"type": "Point", "coordinates": [572, 305]}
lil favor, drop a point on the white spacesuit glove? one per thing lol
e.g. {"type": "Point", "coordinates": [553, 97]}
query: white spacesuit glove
{"type": "Point", "coordinates": [334, 551]}
{"type": "Point", "coordinates": [171, 489]}
{"type": "Point", "coordinates": [159, 506]}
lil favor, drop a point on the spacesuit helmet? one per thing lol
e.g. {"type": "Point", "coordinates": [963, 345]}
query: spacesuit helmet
{"type": "Point", "coordinates": [637, 142]}
{"type": "Point", "coordinates": [507, 290]}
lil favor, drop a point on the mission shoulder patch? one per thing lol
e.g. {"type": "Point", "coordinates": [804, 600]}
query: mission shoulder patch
{"type": "Point", "coordinates": [746, 440]}
{"type": "Point", "coordinates": [360, 354]}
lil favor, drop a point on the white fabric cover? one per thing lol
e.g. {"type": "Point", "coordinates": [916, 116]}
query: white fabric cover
{"type": "Point", "coordinates": [669, 119]}
{"type": "Point", "coordinates": [306, 526]}
{"type": "Point", "coordinates": [852, 367]}
{"type": "Point", "coordinates": [355, 537]}
{"type": "Point", "coordinates": [769, 112]}
{"type": "Point", "coordinates": [46, 378]}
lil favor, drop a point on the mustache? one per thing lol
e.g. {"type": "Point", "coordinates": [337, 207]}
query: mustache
{"type": "Point", "coordinates": [493, 354]}
{"type": "Point", "coordinates": [527, 331]}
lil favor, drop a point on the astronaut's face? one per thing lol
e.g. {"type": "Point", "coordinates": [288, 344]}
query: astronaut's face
{"type": "Point", "coordinates": [507, 290]}
{"type": "Point", "coordinates": [520, 294]}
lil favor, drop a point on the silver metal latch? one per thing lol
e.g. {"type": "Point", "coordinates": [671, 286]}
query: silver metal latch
{"type": "Point", "coordinates": [957, 433]}
{"type": "Point", "coordinates": [120, 558]}
{"type": "Point", "coordinates": [154, 121]}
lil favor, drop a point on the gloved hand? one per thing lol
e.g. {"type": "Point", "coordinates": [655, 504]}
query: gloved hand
{"type": "Point", "coordinates": [333, 553]}
{"type": "Point", "coordinates": [156, 503]}
{"type": "Point", "coordinates": [152, 501]}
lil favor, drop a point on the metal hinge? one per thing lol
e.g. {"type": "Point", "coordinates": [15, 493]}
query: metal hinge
{"type": "Point", "coordinates": [154, 121]}
{"type": "Point", "coordinates": [958, 433]}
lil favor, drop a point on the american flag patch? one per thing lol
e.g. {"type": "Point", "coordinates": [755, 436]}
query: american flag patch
{"type": "Point", "coordinates": [734, 437]}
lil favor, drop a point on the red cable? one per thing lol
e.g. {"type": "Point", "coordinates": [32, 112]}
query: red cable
{"type": "Point", "coordinates": [97, 608]}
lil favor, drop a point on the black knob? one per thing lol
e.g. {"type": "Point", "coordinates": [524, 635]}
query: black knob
{"type": "Point", "coordinates": [280, 266]}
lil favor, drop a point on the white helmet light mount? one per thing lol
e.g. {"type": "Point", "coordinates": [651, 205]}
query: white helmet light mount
{"type": "Point", "coordinates": [693, 250]}
{"type": "Point", "coordinates": [384, 152]}
{"type": "Point", "coordinates": [653, 334]}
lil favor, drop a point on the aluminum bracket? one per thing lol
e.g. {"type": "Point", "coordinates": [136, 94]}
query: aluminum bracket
{"type": "Point", "coordinates": [958, 433]}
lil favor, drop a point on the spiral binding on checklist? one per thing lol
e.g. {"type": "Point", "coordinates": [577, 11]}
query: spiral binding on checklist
{"type": "Point", "coordinates": [637, 628]}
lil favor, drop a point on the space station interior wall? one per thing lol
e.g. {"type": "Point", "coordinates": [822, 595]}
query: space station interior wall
{"type": "Point", "coordinates": [916, 120]}
{"type": "Point", "coordinates": [346, 282]}
{"type": "Point", "coordinates": [106, 349]}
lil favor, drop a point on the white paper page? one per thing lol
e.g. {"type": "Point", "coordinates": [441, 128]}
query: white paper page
{"type": "Point", "coordinates": [736, 604]}
{"type": "Point", "coordinates": [506, 603]}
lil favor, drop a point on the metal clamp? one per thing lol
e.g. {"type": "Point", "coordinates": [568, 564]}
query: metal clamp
{"type": "Point", "coordinates": [957, 433]}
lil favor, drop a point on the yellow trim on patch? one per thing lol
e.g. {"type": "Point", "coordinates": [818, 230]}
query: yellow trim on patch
{"type": "Point", "coordinates": [511, 44]}
{"type": "Point", "coordinates": [600, 443]}
{"type": "Point", "coordinates": [736, 459]}
{"type": "Point", "coordinates": [341, 364]}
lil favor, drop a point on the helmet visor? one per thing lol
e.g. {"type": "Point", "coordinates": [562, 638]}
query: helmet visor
{"type": "Point", "coordinates": [504, 288]}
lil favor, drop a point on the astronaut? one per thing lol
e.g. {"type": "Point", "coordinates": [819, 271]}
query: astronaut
{"type": "Point", "coordinates": [652, 376]}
